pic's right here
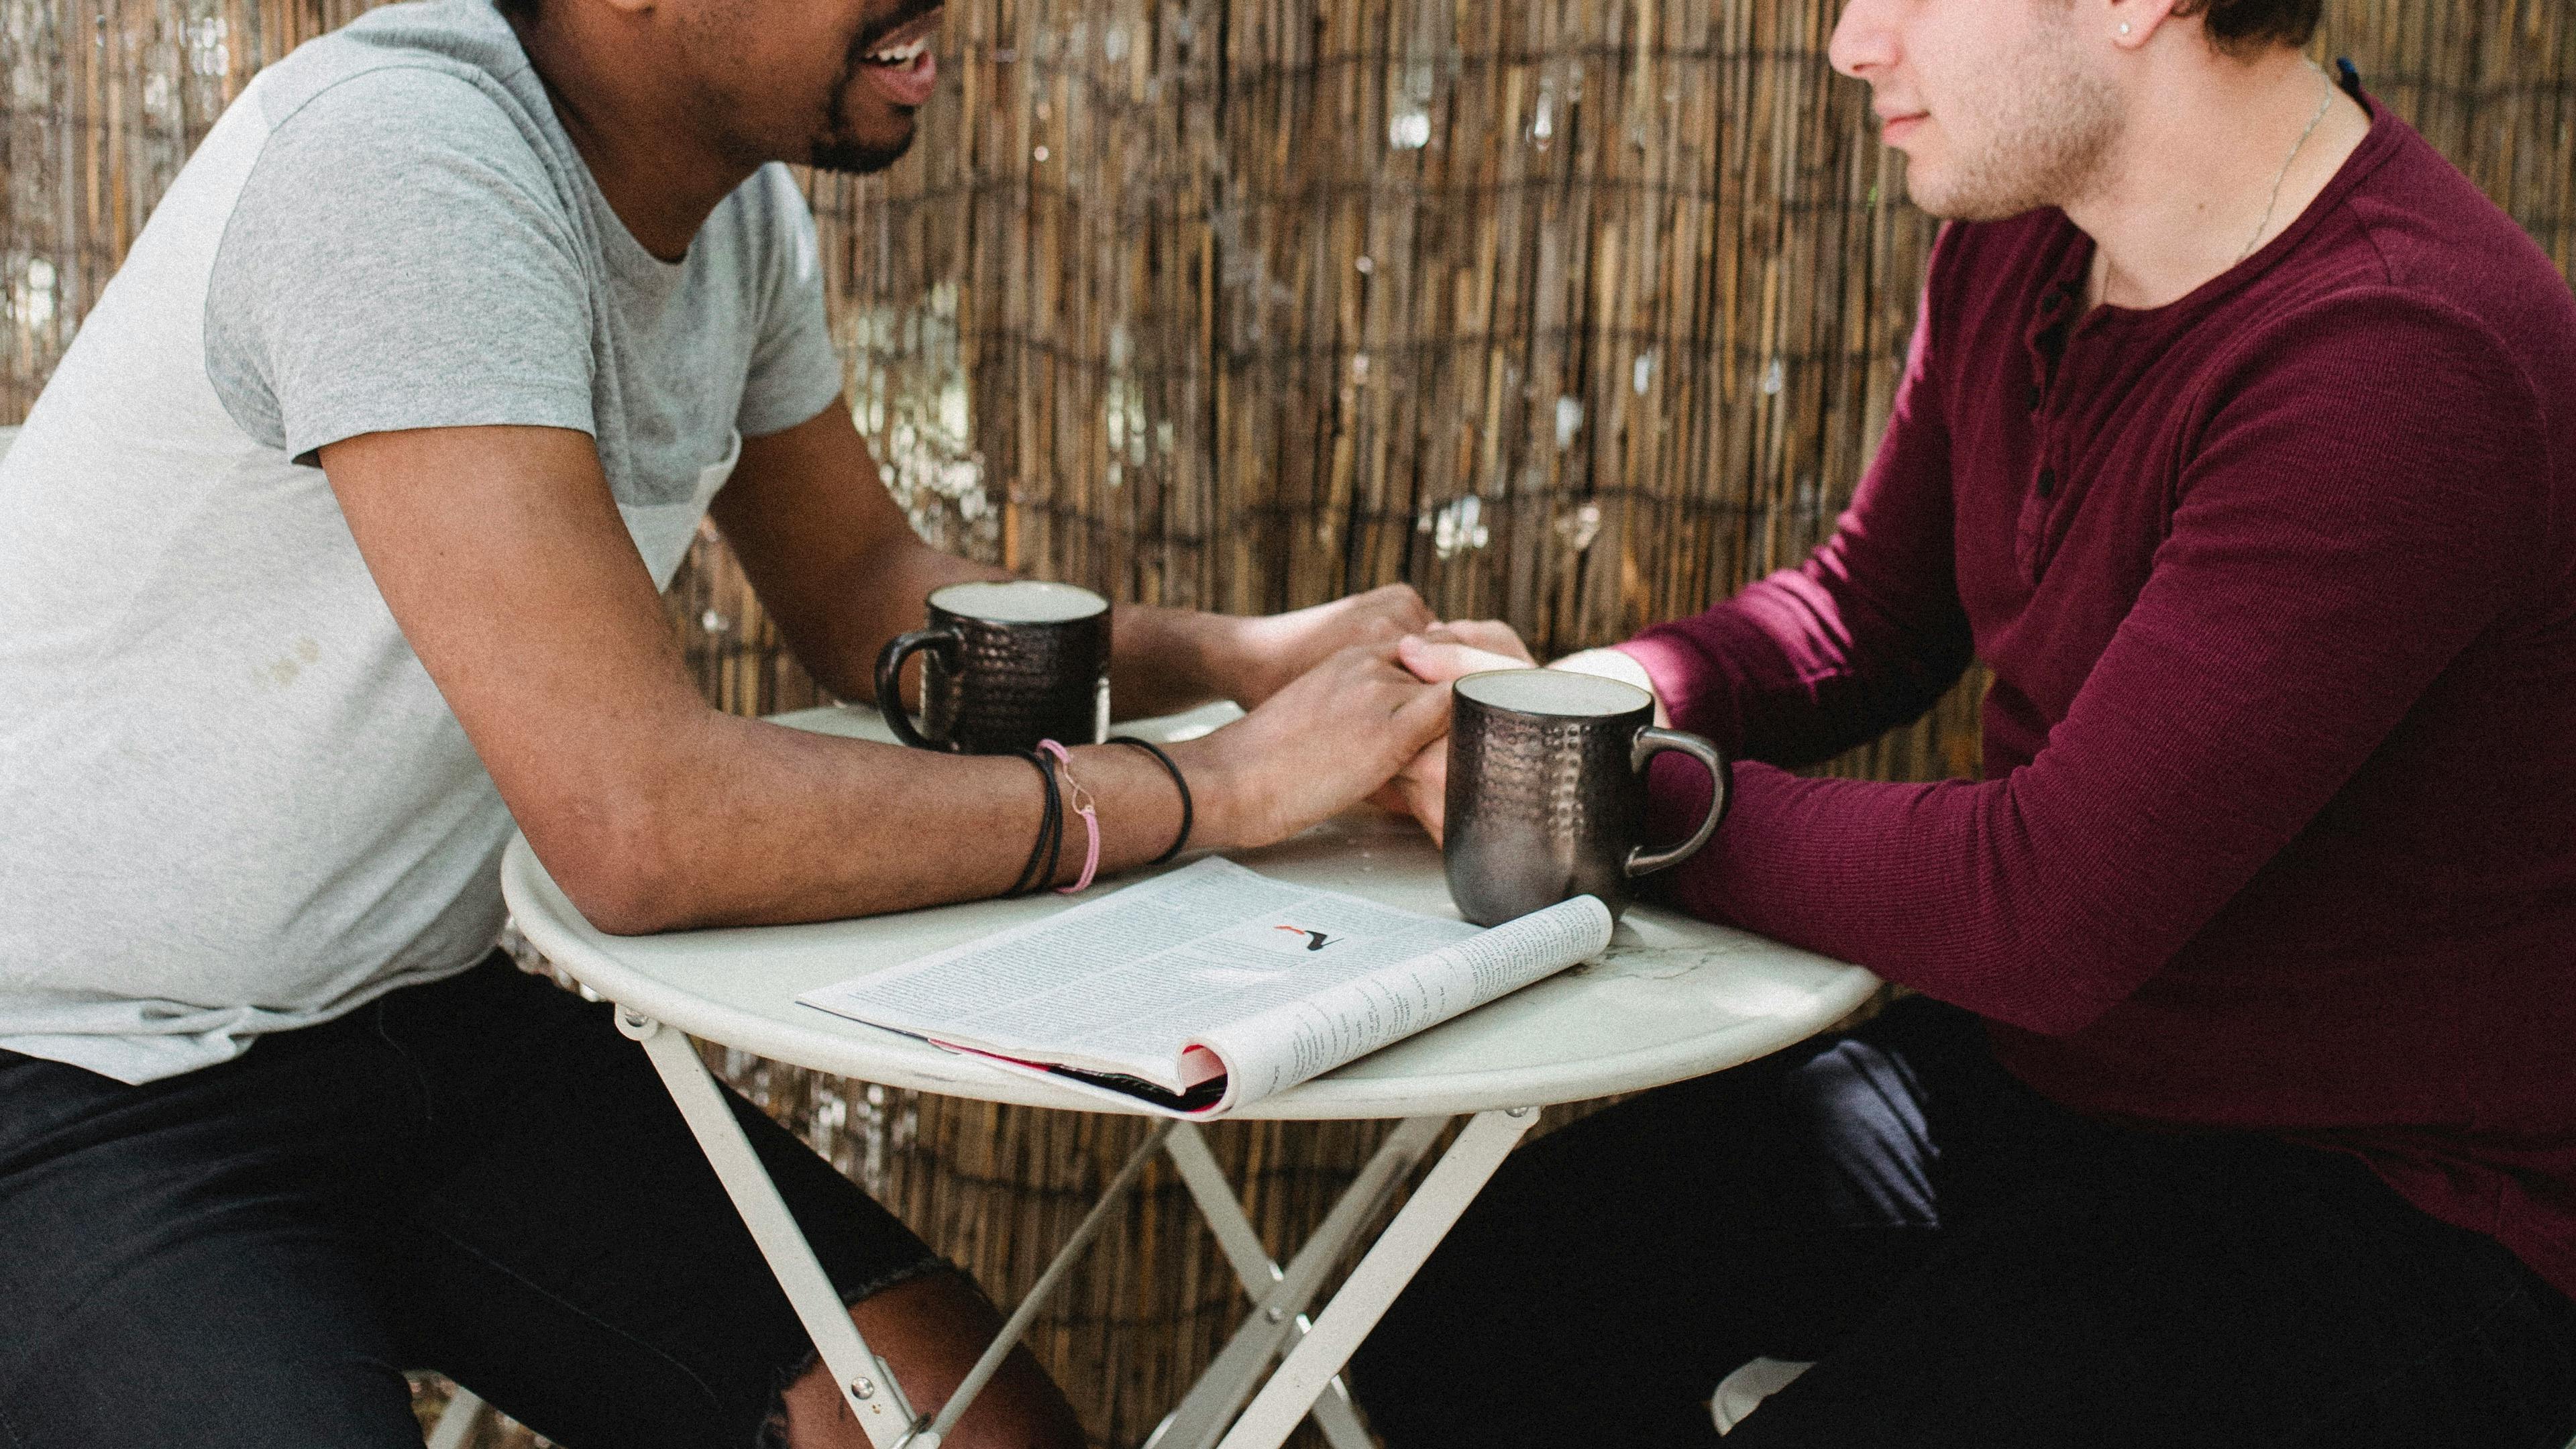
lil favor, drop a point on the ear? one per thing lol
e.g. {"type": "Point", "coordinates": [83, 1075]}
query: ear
{"type": "Point", "coordinates": [2132, 23]}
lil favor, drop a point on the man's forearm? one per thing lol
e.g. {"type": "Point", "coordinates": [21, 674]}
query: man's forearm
{"type": "Point", "coordinates": [674, 816]}
{"type": "Point", "coordinates": [1164, 660]}
{"type": "Point", "coordinates": [888, 594]}
{"type": "Point", "coordinates": [749, 823]}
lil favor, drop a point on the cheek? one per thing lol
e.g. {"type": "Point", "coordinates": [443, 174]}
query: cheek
{"type": "Point", "coordinates": [773, 85]}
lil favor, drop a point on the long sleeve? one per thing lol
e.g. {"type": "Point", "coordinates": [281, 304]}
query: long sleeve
{"type": "Point", "coordinates": [1861, 638]}
{"type": "Point", "coordinates": [2364, 503]}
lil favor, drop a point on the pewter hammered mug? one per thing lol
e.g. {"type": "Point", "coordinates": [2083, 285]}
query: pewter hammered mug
{"type": "Point", "coordinates": [1006, 664]}
{"type": "Point", "coordinates": [1547, 791]}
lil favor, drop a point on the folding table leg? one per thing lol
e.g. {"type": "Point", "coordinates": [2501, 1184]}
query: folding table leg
{"type": "Point", "coordinates": [1279, 1307]}
{"type": "Point", "coordinates": [1252, 1264]}
{"type": "Point", "coordinates": [1390, 1264]}
{"type": "Point", "coordinates": [866, 1387]}
{"type": "Point", "coordinates": [937, 1430]}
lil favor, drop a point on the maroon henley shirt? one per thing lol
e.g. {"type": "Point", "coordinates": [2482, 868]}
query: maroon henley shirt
{"type": "Point", "coordinates": [2278, 587]}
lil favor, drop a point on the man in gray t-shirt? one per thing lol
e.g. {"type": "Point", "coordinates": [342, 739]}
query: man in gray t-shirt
{"type": "Point", "coordinates": [329, 556]}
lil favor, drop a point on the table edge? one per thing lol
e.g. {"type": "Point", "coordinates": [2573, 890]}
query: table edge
{"type": "Point", "coordinates": [1323, 1098]}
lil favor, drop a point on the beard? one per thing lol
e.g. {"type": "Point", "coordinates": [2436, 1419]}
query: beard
{"type": "Point", "coordinates": [850, 157]}
{"type": "Point", "coordinates": [837, 149]}
{"type": "Point", "coordinates": [2026, 144]}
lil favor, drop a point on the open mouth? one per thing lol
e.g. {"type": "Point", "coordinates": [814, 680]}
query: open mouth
{"type": "Point", "coordinates": [899, 64]}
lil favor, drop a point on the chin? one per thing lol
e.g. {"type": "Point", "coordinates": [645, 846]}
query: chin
{"type": "Point", "coordinates": [1945, 198]}
{"type": "Point", "coordinates": [853, 156]}
{"type": "Point", "coordinates": [1936, 202]}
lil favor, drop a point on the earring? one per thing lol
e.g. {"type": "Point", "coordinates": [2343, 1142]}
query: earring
{"type": "Point", "coordinates": [2124, 27]}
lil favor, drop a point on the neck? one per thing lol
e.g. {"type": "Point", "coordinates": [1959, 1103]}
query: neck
{"type": "Point", "coordinates": [626, 111]}
{"type": "Point", "coordinates": [2188, 185]}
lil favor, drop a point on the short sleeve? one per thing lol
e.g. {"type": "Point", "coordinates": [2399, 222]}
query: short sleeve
{"type": "Point", "coordinates": [399, 257]}
{"type": "Point", "coordinates": [794, 372]}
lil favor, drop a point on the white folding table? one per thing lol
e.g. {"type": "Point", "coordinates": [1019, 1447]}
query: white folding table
{"type": "Point", "coordinates": [1672, 998]}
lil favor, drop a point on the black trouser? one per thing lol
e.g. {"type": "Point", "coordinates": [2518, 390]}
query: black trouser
{"type": "Point", "coordinates": [1971, 1264]}
{"type": "Point", "coordinates": [478, 1176]}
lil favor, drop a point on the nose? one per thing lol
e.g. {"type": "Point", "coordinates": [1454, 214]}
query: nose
{"type": "Point", "coordinates": [1864, 39]}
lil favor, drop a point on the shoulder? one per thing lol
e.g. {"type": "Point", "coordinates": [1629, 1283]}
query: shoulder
{"type": "Point", "coordinates": [2405, 348]}
{"type": "Point", "coordinates": [388, 144]}
{"type": "Point", "coordinates": [2378, 411]}
{"type": "Point", "coordinates": [2416, 256]}
{"type": "Point", "coordinates": [2428, 226]}
{"type": "Point", "coordinates": [404, 83]}
{"type": "Point", "coordinates": [393, 115]}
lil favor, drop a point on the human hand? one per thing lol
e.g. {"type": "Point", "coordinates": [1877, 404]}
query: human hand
{"type": "Point", "coordinates": [1255, 658]}
{"type": "Point", "coordinates": [1319, 746]}
{"type": "Point", "coordinates": [1445, 652]}
{"type": "Point", "coordinates": [1437, 656]}
{"type": "Point", "coordinates": [1421, 789]}
{"type": "Point", "coordinates": [1490, 636]}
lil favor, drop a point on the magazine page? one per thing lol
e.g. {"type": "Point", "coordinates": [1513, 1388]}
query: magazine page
{"type": "Point", "coordinates": [1319, 1031]}
{"type": "Point", "coordinates": [1161, 981]}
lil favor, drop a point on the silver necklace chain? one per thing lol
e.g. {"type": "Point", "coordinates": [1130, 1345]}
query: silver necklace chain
{"type": "Point", "coordinates": [2325, 100]}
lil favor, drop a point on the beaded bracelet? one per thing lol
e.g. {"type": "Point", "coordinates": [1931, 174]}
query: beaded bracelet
{"type": "Point", "coordinates": [1188, 815]}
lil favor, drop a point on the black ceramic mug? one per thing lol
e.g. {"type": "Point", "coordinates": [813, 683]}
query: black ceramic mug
{"type": "Point", "coordinates": [1547, 791]}
{"type": "Point", "coordinates": [1005, 664]}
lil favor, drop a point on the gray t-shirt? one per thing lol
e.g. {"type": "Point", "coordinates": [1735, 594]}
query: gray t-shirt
{"type": "Point", "coordinates": [231, 800]}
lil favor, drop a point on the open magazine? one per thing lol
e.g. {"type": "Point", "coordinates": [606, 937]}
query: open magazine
{"type": "Point", "coordinates": [1210, 987]}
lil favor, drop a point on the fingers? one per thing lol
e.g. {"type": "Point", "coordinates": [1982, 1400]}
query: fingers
{"type": "Point", "coordinates": [1423, 787]}
{"type": "Point", "coordinates": [1402, 606]}
{"type": "Point", "coordinates": [1424, 718]}
{"type": "Point", "coordinates": [1490, 635]}
{"type": "Point", "coordinates": [1436, 661]}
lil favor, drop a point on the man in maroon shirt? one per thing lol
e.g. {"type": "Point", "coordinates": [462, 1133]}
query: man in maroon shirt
{"type": "Point", "coordinates": [2238, 437]}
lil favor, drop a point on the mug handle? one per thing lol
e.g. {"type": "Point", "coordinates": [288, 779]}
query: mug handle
{"type": "Point", "coordinates": [1653, 742]}
{"type": "Point", "coordinates": [890, 680]}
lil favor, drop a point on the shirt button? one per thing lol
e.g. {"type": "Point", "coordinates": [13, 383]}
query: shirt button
{"type": "Point", "coordinates": [2047, 483]}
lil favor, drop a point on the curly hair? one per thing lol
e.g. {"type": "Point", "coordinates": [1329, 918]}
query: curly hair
{"type": "Point", "coordinates": [2242, 27]}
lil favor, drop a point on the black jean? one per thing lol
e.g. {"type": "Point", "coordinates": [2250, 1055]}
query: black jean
{"type": "Point", "coordinates": [477, 1176]}
{"type": "Point", "coordinates": [1970, 1264]}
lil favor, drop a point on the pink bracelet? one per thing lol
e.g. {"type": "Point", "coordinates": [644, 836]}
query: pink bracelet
{"type": "Point", "coordinates": [1084, 806]}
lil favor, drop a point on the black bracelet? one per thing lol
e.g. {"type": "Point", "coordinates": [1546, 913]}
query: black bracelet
{"type": "Point", "coordinates": [1055, 828]}
{"type": "Point", "coordinates": [1050, 829]}
{"type": "Point", "coordinates": [1180, 842]}
{"type": "Point", "coordinates": [1020, 882]}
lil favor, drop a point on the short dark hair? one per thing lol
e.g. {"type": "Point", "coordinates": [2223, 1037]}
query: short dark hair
{"type": "Point", "coordinates": [517, 9]}
{"type": "Point", "coordinates": [2242, 27]}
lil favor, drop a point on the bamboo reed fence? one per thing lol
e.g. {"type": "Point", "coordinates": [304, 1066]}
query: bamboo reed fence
{"type": "Point", "coordinates": [1579, 313]}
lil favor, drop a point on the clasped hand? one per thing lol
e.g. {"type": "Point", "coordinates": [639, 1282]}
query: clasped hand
{"type": "Point", "coordinates": [1349, 701]}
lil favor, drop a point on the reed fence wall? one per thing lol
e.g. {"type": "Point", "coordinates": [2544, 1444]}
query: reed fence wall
{"type": "Point", "coordinates": [1579, 313]}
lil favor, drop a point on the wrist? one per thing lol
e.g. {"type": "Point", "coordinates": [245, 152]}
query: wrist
{"type": "Point", "coordinates": [1224, 654]}
{"type": "Point", "coordinates": [1176, 658]}
{"type": "Point", "coordinates": [1219, 793]}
